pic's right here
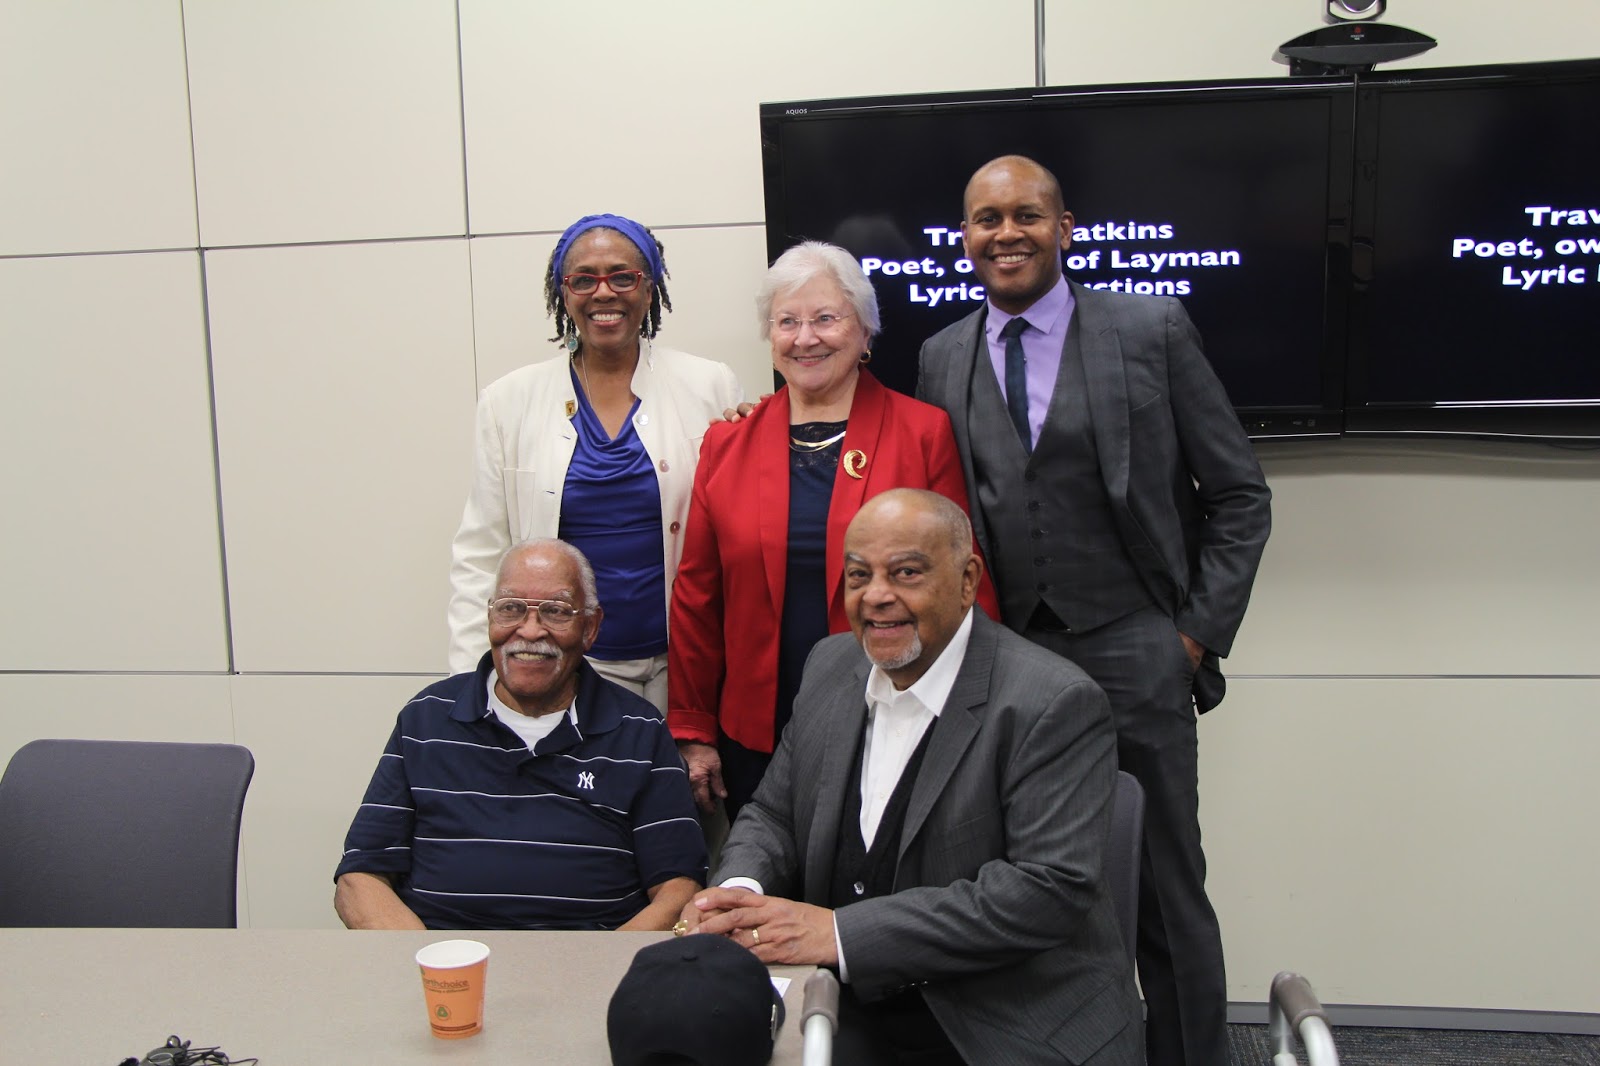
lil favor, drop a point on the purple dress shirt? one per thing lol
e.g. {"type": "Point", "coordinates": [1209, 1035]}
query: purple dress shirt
{"type": "Point", "coordinates": [1048, 319]}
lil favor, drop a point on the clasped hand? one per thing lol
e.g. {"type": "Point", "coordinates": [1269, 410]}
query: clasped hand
{"type": "Point", "coordinates": [777, 931]}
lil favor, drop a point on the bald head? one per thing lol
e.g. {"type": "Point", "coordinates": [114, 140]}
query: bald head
{"type": "Point", "coordinates": [938, 514]}
{"type": "Point", "coordinates": [1014, 168]}
{"type": "Point", "coordinates": [559, 551]}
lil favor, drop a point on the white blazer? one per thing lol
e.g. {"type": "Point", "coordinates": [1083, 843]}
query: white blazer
{"type": "Point", "coordinates": [524, 445]}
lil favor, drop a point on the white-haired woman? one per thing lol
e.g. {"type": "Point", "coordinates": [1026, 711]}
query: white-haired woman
{"type": "Point", "coordinates": [760, 578]}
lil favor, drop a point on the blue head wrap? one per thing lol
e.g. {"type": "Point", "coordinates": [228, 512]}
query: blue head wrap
{"type": "Point", "coordinates": [626, 226]}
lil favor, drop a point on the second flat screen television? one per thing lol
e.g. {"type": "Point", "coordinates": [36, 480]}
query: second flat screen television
{"type": "Point", "coordinates": [1477, 312]}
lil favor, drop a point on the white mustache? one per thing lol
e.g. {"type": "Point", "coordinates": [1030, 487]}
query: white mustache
{"type": "Point", "coordinates": [534, 647]}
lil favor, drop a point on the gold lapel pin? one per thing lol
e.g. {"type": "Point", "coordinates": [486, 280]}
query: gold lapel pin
{"type": "Point", "coordinates": [855, 461]}
{"type": "Point", "coordinates": [572, 408]}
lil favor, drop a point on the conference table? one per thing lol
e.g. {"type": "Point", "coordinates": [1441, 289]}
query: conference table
{"type": "Point", "coordinates": [295, 997]}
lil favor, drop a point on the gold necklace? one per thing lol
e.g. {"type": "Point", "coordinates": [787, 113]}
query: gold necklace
{"type": "Point", "coordinates": [815, 446]}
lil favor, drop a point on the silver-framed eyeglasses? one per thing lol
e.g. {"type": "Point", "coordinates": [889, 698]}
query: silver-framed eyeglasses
{"type": "Point", "coordinates": [553, 614]}
{"type": "Point", "coordinates": [789, 325]}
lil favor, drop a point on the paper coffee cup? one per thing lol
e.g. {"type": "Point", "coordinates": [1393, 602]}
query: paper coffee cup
{"type": "Point", "coordinates": [453, 974]}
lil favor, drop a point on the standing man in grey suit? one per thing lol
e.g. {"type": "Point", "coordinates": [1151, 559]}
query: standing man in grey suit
{"type": "Point", "coordinates": [939, 803]}
{"type": "Point", "coordinates": [1123, 512]}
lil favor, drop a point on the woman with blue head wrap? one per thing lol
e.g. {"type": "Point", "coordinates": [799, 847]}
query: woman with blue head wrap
{"type": "Point", "coordinates": [598, 447]}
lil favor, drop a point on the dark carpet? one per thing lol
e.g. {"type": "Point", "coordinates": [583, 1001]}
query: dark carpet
{"type": "Point", "coordinates": [1249, 1046]}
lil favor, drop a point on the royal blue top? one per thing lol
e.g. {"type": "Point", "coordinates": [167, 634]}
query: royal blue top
{"type": "Point", "coordinates": [479, 832]}
{"type": "Point", "coordinates": [611, 511]}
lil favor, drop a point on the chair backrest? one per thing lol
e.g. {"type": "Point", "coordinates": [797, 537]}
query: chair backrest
{"type": "Point", "coordinates": [122, 833]}
{"type": "Point", "coordinates": [1123, 853]}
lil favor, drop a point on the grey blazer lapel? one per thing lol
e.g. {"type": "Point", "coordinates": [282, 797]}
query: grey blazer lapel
{"type": "Point", "coordinates": [953, 730]}
{"type": "Point", "coordinates": [1107, 386]}
{"type": "Point", "coordinates": [846, 707]}
{"type": "Point", "coordinates": [960, 362]}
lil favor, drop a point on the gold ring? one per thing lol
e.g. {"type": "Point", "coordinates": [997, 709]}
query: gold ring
{"type": "Point", "coordinates": [680, 927]}
{"type": "Point", "coordinates": [755, 937]}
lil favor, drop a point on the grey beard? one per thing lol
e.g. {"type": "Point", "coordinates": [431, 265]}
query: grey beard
{"type": "Point", "coordinates": [895, 662]}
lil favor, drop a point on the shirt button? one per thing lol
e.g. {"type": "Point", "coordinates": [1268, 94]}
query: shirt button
{"type": "Point", "coordinates": [1037, 534]}
{"type": "Point", "coordinates": [673, 528]}
{"type": "Point", "coordinates": [859, 888]}
{"type": "Point", "coordinates": [1032, 475]}
{"type": "Point", "coordinates": [1033, 505]}
{"type": "Point", "coordinates": [1042, 587]}
{"type": "Point", "coordinates": [663, 466]}
{"type": "Point", "coordinates": [642, 420]}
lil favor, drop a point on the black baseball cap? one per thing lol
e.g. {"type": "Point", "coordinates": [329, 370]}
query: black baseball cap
{"type": "Point", "coordinates": [700, 999]}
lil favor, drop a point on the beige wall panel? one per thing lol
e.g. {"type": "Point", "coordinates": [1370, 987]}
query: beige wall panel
{"type": "Point", "coordinates": [667, 132]}
{"type": "Point", "coordinates": [1478, 31]}
{"type": "Point", "coordinates": [170, 707]}
{"type": "Point", "coordinates": [1460, 559]}
{"type": "Point", "coordinates": [105, 423]}
{"type": "Point", "coordinates": [1088, 44]}
{"type": "Point", "coordinates": [715, 273]}
{"type": "Point", "coordinates": [94, 121]}
{"type": "Point", "coordinates": [1407, 842]}
{"type": "Point", "coordinates": [1174, 41]}
{"type": "Point", "coordinates": [319, 120]}
{"type": "Point", "coordinates": [509, 325]}
{"type": "Point", "coordinates": [316, 741]}
{"type": "Point", "coordinates": [344, 400]}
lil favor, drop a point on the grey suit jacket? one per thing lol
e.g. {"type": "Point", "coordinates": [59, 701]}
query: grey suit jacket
{"type": "Point", "coordinates": [1000, 912]}
{"type": "Point", "coordinates": [1187, 493]}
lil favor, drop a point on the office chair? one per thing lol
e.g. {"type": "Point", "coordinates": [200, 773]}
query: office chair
{"type": "Point", "coordinates": [122, 833]}
{"type": "Point", "coordinates": [1123, 851]}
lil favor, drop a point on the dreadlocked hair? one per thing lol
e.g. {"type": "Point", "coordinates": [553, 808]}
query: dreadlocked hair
{"type": "Point", "coordinates": [555, 306]}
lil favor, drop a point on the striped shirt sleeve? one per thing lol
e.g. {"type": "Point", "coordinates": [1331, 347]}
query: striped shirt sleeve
{"type": "Point", "coordinates": [379, 840]}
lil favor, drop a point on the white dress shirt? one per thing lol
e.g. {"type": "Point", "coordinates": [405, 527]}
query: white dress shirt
{"type": "Point", "coordinates": [896, 719]}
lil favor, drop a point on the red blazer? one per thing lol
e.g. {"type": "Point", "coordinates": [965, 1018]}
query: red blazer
{"type": "Point", "coordinates": [727, 601]}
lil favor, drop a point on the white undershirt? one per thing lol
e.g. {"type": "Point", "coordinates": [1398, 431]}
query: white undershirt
{"type": "Point", "coordinates": [530, 728]}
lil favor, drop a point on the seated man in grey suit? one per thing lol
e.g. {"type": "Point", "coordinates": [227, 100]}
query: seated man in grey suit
{"type": "Point", "coordinates": [530, 793]}
{"type": "Point", "coordinates": [939, 802]}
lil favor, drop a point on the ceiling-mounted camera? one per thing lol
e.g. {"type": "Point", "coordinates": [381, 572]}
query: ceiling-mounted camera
{"type": "Point", "coordinates": [1354, 10]}
{"type": "Point", "coordinates": [1354, 43]}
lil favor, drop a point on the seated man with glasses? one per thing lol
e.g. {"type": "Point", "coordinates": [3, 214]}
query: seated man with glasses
{"type": "Point", "coordinates": [530, 793]}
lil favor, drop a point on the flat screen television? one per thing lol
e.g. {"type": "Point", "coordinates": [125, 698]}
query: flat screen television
{"type": "Point", "coordinates": [1233, 196]}
{"type": "Point", "coordinates": [1476, 302]}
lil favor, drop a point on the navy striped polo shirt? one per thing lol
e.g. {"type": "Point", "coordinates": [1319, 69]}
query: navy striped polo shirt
{"type": "Point", "coordinates": [478, 832]}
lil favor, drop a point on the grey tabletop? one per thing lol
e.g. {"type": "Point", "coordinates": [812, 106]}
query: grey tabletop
{"type": "Point", "coordinates": [297, 997]}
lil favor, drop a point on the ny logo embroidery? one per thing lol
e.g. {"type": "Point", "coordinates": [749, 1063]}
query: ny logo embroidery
{"type": "Point", "coordinates": [585, 779]}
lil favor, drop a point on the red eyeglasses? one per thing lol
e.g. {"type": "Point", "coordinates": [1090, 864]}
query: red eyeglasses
{"type": "Point", "coordinates": [621, 281]}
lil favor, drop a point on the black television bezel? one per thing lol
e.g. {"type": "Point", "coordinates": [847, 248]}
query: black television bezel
{"type": "Point", "coordinates": [1561, 421]}
{"type": "Point", "coordinates": [1323, 420]}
